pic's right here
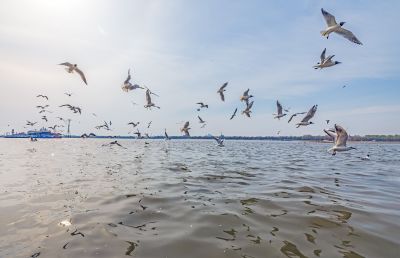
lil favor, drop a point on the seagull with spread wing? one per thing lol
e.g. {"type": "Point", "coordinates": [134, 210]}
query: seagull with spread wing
{"type": "Point", "coordinates": [247, 111]}
{"type": "Point", "coordinates": [337, 28]}
{"type": "Point", "coordinates": [42, 96]}
{"type": "Point", "coordinates": [221, 91]}
{"type": "Point", "coordinates": [234, 114]}
{"type": "Point", "coordinates": [306, 120]}
{"type": "Point", "coordinates": [326, 61]}
{"type": "Point", "coordinates": [74, 68]}
{"type": "Point", "coordinates": [340, 135]}
{"type": "Point", "coordinates": [186, 129]}
{"type": "Point", "coordinates": [279, 111]}
{"type": "Point", "coordinates": [148, 100]}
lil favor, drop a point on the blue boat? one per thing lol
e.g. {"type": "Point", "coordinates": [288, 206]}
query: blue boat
{"type": "Point", "coordinates": [42, 133]}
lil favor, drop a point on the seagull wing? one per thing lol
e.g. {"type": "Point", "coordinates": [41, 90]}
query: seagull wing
{"type": "Point", "coordinates": [223, 86]}
{"type": "Point", "coordinates": [81, 74]}
{"type": "Point", "coordinates": [250, 105]}
{"type": "Point", "coordinates": [234, 113]}
{"type": "Point", "coordinates": [279, 107]}
{"type": "Point", "coordinates": [148, 97]}
{"type": "Point", "coordinates": [291, 117]}
{"type": "Point", "coordinates": [341, 136]}
{"type": "Point", "coordinates": [66, 64]}
{"type": "Point", "coordinates": [128, 78]}
{"type": "Point", "coordinates": [186, 125]}
{"type": "Point", "coordinates": [348, 35]}
{"type": "Point", "coordinates": [246, 93]}
{"type": "Point", "coordinates": [221, 93]}
{"type": "Point", "coordinates": [330, 134]}
{"type": "Point", "coordinates": [201, 120]}
{"type": "Point", "coordinates": [323, 56]}
{"type": "Point", "coordinates": [329, 18]}
{"type": "Point", "coordinates": [310, 114]}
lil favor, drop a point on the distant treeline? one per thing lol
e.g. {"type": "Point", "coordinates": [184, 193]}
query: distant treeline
{"type": "Point", "coordinates": [380, 138]}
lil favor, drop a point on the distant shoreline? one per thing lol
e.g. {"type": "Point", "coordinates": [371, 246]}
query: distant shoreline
{"type": "Point", "coordinates": [319, 139]}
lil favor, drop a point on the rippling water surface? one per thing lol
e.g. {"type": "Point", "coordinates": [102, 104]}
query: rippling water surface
{"type": "Point", "coordinates": [195, 199]}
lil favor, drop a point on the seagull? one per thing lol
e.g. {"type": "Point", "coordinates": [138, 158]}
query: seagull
{"type": "Point", "coordinates": [68, 94]}
{"type": "Point", "coordinates": [186, 129]}
{"type": "Point", "coordinates": [133, 124]}
{"type": "Point", "coordinates": [138, 134]}
{"type": "Point", "coordinates": [74, 67]}
{"type": "Point", "coordinates": [245, 97]}
{"type": "Point", "coordinates": [221, 91]}
{"type": "Point", "coordinates": [340, 137]}
{"type": "Point", "coordinates": [117, 143]}
{"type": "Point", "coordinates": [219, 140]}
{"type": "Point", "coordinates": [366, 157]}
{"type": "Point", "coordinates": [128, 86]}
{"type": "Point", "coordinates": [53, 127]}
{"type": "Point", "coordinates": [44, 110]}
{"type": "Point", "coordinates": [30, 123]}
{"type": "Point", "coordinates": [166, 135]}
{"type": "Point", "coordinates": [201, 121]}
{"type": "Point", "coordinates": [279, 109]}
{"type": "Point", "coordinates": [234, 114]}
{"type": "Point", "coordinates": [88, 135]}
{"type": "Point", "coordinates": [309, 115]}
{"type": "Point", "coordinates": [94, 114]}
{"type": "Point", "coordinates": [247, 111]}
{"type": "Point", "coordinates": [202, 105]}
{"type": "Point", "coordinates": [344, 86]}
{"type": "Point", "coordinates": [148, 100]}
{"type": "Point", "coordinates": [73, 108]}
{"type": "Point", "coordinates": [42, 96]}
{"type": "Point", "coordinates": [44, 118]}
{"type": "Point", "coordinates": [325, 61]}
{"type": "Point", "coordinates": [295, 114]}
{"type": "Point", "coordinates": [42, 107]}
{"type": "Point", "coordinates": [334, 27]}
{"type": "Point", "coordinates": [60, 118]}
{"type": "Point", "coordinates": [148, 125]}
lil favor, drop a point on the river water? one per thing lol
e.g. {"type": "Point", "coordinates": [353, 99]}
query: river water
{"type": "Point", "coordinates": [188, 198]}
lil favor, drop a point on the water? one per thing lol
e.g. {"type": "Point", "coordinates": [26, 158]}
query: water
{"type": "Point", "coordinates": [194, 199]}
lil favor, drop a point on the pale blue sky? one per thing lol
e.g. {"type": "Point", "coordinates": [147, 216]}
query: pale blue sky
{"type": "Point", "coordinates": [184, 50]}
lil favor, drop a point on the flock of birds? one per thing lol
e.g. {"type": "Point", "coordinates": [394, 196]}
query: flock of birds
{"type": "Point", "coordinates": [337, 133]}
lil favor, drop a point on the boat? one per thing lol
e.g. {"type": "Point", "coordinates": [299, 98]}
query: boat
{"type": "Point", "coordinates": [42, 133]}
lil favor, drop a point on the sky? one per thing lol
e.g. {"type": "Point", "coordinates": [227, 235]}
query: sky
{"type": "Point", "coordinates": [184, 50]}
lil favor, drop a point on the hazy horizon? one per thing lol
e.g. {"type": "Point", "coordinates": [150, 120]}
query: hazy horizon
{"type": "Point", "coordinates": [185, 50]}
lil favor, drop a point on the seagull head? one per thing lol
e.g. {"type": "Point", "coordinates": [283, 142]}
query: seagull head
{"type": "Point", "coordinates": [341, 24]}
{"type": "Point", "coordinates": [311, 123]}
{"type": "Point", "coordinates": [337, 62]}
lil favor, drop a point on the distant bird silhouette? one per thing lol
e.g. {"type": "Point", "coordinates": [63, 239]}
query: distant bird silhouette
{"type": "Point", "coordinates": [42, 96]}
{"type": "Point", "coordinates": [134, 124]}
{"type": "Point", "coordinates": [234, 114]}
{"type": "Point", "coordinates": [166, 135]}
{"type": "Point", "coordinates": [221, 91]}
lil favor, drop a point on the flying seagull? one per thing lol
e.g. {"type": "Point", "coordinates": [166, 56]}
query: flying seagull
{"type": "Point", "coordinates": [128, 86]}
{"type": "Point", "coordinates": [53, 127]}
{"type": "Point", "coordinates": [326, 61]}
{"type": "Point", "coordinates": [68, 94]}
{"type": "Point", "coordinates": [42, 96]}
{"type": "Point", "coordinates": [42, 107]}
{"type": "Point", "coordinates": [186, 129]}
{"type": "Point", "coordinates": [30, 123]}
{"type": "Point", "coordinates": [148, 100]}
{"type": "Point", "coordinates": [166, 135]}
{"type": "Point", "coordinates": [202, 105]}
{"type": "Point", "coordinates": [306, 119]}
{"type": "Point", "coordinates": [221, 91]}
{"type": "Point", "coordinates": [245, 97]}
{"type": "Point", "coordinates": [279, 111]}
{"type": "Point", "coordinates": [340, 135]}
{"type": "Point", "coordinates": [149, 124]}
{"type": "Point", "coordinates": [201, 121]}
{"type": "Point", "coordinates": [219, 141]}
{"type": "Point", "coordinates": [44, 118]}
{"type": "Point", "coordinates": [337, 28]}
{"type": "Point", "coordinates": [234, 114]}
{"type": "Point", "coordinates": [74, 67]}
{"type": "Point", "coordinates": [138, 134]}
{"type": "Point", "coordinates": [247, 111]}
{"type": "Point", "coordinates": [88, 135]}
{"type": "Point", "coordinates": [133, 124]}
{"type": "Point", "coordinates": [295, 114]}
